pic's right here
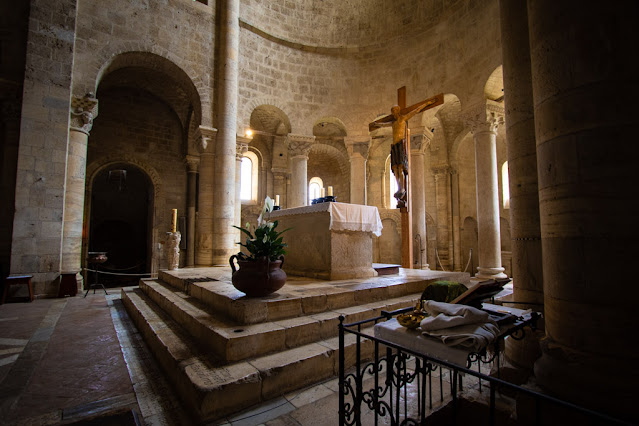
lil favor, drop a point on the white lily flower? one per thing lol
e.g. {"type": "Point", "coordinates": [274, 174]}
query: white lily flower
{"type": "Point", "coordinates": [268, 204]}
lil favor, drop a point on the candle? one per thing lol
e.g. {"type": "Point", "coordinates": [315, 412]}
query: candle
{"type": "Point", "coordinates": [322, 194]}
{"type": "Point", "coordinates": [277, 200]}
{"type": "Point", "coordinates": [174, 226]}
{"type": "Point", "coordinates": [330, 191]}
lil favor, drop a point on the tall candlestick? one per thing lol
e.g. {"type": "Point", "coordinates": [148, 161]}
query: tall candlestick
{"type": "Point", "coordinates": [330, 191]}
{"type": "Point", "coordinates": [277, 200]}
{"type": "Point", "coordinates": [174, 222]}
{"type": "Point", "coordinates": [322, 193]}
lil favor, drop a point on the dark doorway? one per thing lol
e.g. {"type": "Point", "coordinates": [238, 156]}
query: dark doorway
{"type": "Point", "coordinates": [121, 223]}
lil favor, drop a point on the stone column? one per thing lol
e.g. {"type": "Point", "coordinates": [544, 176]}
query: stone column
{"type": "Point", "coordinates": [443, 218]}
{"type": "Point", "coordinates": [419, 141]}
{"type": "Point", "coordinates": [484, 129]}
{"type": "Point", "coordinates": [192, 163]}
{"type": "Point", "coordinates": [241, 148]}
{"type": "Point", "coordinates": [522, 171]}
{"type": "Point", "coordinates": [358, 152]}
{"type": "Point", "coordinates": [588, 199]}
{"type": "Point", "coordinates": [455, 218]}
{"type": "Point", "coordinates": [298, 147]}
{"type": "Point", "coordinates": [83, 111]}
{"type": "Point", "coordinates": [206, 205]}
{"type": "Point", "coordinates": [226, 121]}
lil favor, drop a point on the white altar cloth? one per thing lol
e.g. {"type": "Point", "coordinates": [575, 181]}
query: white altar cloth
{"type": "Point", "coordinates": [343, 216]}
{"type": "Point", "coordinates": [329, 241]}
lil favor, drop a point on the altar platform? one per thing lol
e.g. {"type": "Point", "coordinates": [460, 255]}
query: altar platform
{"type": "Point", "coordinates": [224, 352]}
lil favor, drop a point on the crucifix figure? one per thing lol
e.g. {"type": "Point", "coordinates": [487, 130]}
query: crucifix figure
{"type": "Point", "coordinates": [400, 149]}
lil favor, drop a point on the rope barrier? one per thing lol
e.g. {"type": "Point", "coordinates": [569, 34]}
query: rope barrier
{"type": "Point", "coordinates": [440, 262]}
{"type": "Point", "coordinates": [470, 256]}
{"type": "Point", "coordinates": [116, 273]}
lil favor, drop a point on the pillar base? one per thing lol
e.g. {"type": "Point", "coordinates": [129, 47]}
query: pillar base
{"type": "Point", "coordinates": [581, 378]}
{"type": "Point", "coordinates": [490, 273]}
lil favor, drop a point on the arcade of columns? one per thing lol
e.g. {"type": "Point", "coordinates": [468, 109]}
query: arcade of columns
{"type": "Point", "coordinates": [571, 347]}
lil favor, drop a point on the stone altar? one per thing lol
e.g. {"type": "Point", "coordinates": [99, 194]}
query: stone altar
{"type": "Point", "coordinates": [330, 241]}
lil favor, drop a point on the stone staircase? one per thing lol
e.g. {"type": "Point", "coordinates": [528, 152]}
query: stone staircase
{"type": "Point", "coordinates": [224, 352]}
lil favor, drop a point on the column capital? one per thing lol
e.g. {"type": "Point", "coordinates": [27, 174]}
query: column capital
{"type": "Point", "coordinates": [357, 146]}
{"type": "Point", "coordinates": [420, 139]}
{"type": "Point", "coordinates": [485, 118]}
{"type": "Point", "coordinates": [299, 145]}
{"type": "Point", "coordinates": [240, 149]}
{"type": "Point", "coordinates": [192, 163]}
{"type": "Point", "coordinates": [83, 111]}
{"type": "Point", "coordinates": [207, 137]}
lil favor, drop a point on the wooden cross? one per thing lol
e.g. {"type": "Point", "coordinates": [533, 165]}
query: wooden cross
{"type": "Point", "coordinates": [399, 120]}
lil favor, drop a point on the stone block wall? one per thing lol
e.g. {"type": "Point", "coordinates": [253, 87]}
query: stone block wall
{"type": "Point", "coordinates": [42, 156]}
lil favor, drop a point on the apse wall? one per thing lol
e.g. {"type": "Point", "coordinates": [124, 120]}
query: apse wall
{"type": "Point", "coordinates": [346, 59]}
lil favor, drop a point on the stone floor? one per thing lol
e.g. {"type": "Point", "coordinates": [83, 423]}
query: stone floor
{"type": "Point", "coordinates": [72, 359]}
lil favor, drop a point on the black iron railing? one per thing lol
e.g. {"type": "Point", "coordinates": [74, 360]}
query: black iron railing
{"type": "Point", "coordinates": [390, 384]}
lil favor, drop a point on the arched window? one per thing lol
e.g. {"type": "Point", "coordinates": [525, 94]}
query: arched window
{"type": "Point", "coordinates": [390, 184]}
{"type": "Point", "coordinates": [315, 186]}
{"type": "Point", "coordinates": [505, 185]}
{"type": "Point", "coordinates": [249, 167]}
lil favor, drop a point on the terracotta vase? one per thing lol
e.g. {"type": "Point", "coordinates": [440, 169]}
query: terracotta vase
{"type": "Point", "coordinates": [258, 278]}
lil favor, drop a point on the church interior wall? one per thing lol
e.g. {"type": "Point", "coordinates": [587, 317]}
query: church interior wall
{"type": "Point", "coordinates": [140, 129]}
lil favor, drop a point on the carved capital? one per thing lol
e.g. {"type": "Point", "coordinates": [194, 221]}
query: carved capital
{"type": "Point", "coordinates": [207, 137]}
{"type": "Point", "coordinates": [240, 149]}
{"type": "Point", "coordinates": [83, 111]}
{"type": "Point", "coordinates": [485, 118]}
{"type": "Point", "coordinates": [420, 139]}
{"type": "Point", "coordinates": [192, 163]}
{"type": "Point", "coordinates": [299, 145]}
{"type": "Point", "coordinates": [357, 146]}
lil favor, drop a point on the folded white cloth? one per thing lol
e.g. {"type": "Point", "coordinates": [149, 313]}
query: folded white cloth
{"type": "Point", "coordinates": [459, 325]}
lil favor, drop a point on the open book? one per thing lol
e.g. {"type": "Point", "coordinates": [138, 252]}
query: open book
{"type": "Point", "coordinates": [481, 291]}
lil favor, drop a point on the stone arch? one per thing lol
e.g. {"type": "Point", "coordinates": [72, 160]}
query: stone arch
{"type": "Point", "coordinates": [494, 86]}
{"type": "Point", "coordinates": [155, 58]}
{"type": "Point", "coordinates": [331, 153]}
{"type": "Point", "coordinates": [159, 199]}
{"type": "Point", "coordinates": [245, 115]}
{"type": "Point", "coordinates": [329, 127]}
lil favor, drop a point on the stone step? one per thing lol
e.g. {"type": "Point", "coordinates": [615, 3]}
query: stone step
{"type": "Point", "coordinates": [230, 341]}
{"type": "Point", "coordinates": [212, 389]}
{"type": "Point", "coordinates": [300, 296]}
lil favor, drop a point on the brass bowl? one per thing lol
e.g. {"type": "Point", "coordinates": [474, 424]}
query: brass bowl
{"type": "Point", "coordinates": [411, 320]}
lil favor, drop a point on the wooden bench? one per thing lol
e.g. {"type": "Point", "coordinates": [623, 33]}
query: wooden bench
{"type": "Point", "coordinates": [17, 280]}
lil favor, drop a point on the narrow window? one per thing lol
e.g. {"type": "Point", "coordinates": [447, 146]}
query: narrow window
{"type": "Point", "coordinates": [393, 188]}
{"type": "Point", "coordinates": [246, 173]}
{"type": "Point", "coordinates": [505, 185]}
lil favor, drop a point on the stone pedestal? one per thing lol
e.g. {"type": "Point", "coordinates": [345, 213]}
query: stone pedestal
{"type": "Point", "coordinates": [321, 244]}
{"type": "Point", "coordinates": [173, 250]}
